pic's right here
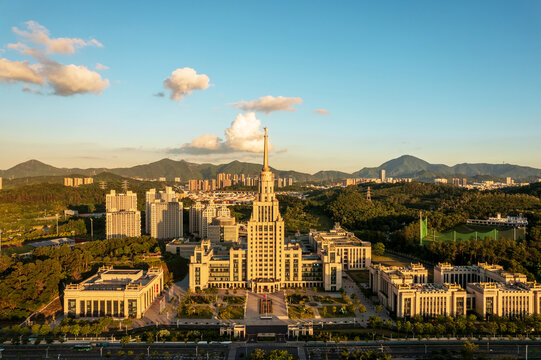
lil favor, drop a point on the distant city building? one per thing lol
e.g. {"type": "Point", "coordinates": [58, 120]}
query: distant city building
{"type": "Point", "coordinates": [162, 179]}
{"type": "Point", "coordinates": [456, 182]}
{"type": "Point", "coordinates": [509, 181]}
{"type": "Point", "coordinates": [0, 183]}
{"type": "Point", "coordinates": [440, 181]}
{"type": "Point", "coordinates": [117, 293]}
{"type": "Point", "coordinates": [382, 175]}
{"type": "Point", "coordinates": [122, 217]}
{"type": "Point", "coordinates": [78, 181]}
{"type": "Point", "coordinates": [177, 179]}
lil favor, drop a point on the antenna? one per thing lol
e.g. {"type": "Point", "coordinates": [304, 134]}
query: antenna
{"type": "Point", "coordinates": [368, 196]}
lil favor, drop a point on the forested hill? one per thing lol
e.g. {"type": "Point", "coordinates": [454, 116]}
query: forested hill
{"type": "Point", "coordinates": [404, 166]}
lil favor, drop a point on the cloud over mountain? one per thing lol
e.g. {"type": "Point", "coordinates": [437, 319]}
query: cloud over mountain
{"type": "Point", "coordinates": [268, 104]}
{"type": "Point", "coordinates": [183, 81]}
{"type": "Point", "coordinates": [244, 135]}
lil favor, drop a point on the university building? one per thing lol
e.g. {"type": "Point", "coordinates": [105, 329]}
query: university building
{"type": "Point", "coordinates": [484, 288]}
{"type": "Point", "coordinates": [266, 262]}
{"type": "Point", "coordinates": [118, 293]}
{"type": "Point", "coordinates": [355, 253]}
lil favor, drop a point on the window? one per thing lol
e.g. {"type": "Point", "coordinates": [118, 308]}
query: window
{"type": "Point", "coordinates": [72, 303]}
{"type": "Point", "coordinates": [132, 308]}
{"type": "Point", "coordinates": [82, 308]}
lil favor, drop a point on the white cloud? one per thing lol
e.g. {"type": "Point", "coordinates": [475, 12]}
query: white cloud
{"type": "Point", "coordinates": [183, 81]}
{"type": "Point", "coordinates": [65, 80]}
{"type": "Point", "coordinates": [268, 104]}
{"type": "Point", "coordinates": [101, 67]}
{"type": "Point", "coordinates": [12, 71]}
{"type": "Point", "coordinates": [206, 141]}
{"type": "Point", "coordinates": [38, 34]}
{"type": "Point", "coordinates": [71, 79]}
{"type": "Point", "coordinates": [321, 112]}
{"type": "Point", "coordinates": [244, 135]}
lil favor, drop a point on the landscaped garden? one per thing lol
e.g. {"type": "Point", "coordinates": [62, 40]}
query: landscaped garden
{"type": "Point", "coordinates": [326, 299]}
{"type": "Point", "coordinates": [234, 300]}
{"type": "Point", "coordinates": [300, 312]}
{"type": "Point", "coordinates": [231, 312]}
{"type": "Point", "coordinates": [191, 311]}
{"type": "Point", "coordinates": [297, 298]}
{"type": "Point", "coordinates": [330, 311]}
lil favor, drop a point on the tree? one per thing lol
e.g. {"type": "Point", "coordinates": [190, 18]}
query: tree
{"type": "Point", "coordinates": [257, 354]}
{"type": "Point", "coordinates": [378, 249]}
{"type": "Point", "coordinates": [468, 349]}
{"type": "Point", "coordinates": [125, 340]}
{"type": "Point", "coordinates": [362, 308]}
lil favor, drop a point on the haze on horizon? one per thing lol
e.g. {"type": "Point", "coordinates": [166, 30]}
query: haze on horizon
{"type": "Point", "coordinates": [340, 87]}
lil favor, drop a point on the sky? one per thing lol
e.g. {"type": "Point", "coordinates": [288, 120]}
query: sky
{"type": "Point", "coordinates": [340, 85]}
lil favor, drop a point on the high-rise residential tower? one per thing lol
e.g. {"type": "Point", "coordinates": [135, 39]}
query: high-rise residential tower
{"type": "Point", "coordinates": [122, 218]}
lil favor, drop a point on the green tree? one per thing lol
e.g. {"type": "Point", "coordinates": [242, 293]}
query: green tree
{"type": "Point", "coordinates": [378, 249]}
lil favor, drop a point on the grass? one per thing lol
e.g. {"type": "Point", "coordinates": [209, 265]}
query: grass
{"type": "Point", "coordinates": [231, 312]}
{"type": "Point", "coordinates": [195, 312]}
{"type": "Point", "coordinates": [329, 313]}
{"type": "Point", "coordinates": [17, 250]}
{"type": "Point", "coordinates": [237, 300]}
{"type": "Point", "coordinates": [298, 312]}
{"type": "Point", "coordinates": [388, 260]}
{"type": "Point", "coordinates": [329, 299]}
{"type": "Point", "coordinates": [359, 276]}
{"type": "Point", "coordinates": [297, 298]}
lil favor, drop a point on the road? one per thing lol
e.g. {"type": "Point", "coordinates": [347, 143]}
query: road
{"type": "Point", "coordinates": [300, 350]}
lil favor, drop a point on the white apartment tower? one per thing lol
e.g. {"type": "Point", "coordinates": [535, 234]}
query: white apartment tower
{"type": "Point", "coordinates": [265, 234]}
{"type": "Point", "coordinates": [166, 219]}
{"type": "Point", "coordinates": [168, 195]}
{"type": "Point", "coordinates": [122, 218]}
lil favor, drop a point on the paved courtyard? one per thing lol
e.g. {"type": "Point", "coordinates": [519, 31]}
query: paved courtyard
{"type": "Point", "coordinates": [166, 311]}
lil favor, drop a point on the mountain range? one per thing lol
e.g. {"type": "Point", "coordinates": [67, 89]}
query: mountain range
{"type": "Point", "coordinates": [403, 166]}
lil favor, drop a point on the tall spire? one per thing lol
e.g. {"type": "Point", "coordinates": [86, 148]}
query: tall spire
{"type": "Point", "coordinates": [266, 156]}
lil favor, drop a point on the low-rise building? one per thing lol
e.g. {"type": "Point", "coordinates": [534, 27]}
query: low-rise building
{"type": "Point", "coordinates": [505, 299]}
{"type": "Point", "coordinates": [118, 293]}
{"type": "Point", "coordinates": [355, 253]}
{"type": "Point", "coordinates": [482, 272]}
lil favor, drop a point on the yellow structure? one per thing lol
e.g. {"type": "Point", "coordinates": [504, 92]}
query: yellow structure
{"type": "Point", "coordinates": [265, 263]}
{"type": "Point", "coordinates": [355, 253]}
{"type": "Point", "coordinates": [484, 288]}
{"type": "Point", "coordinates": [505, 299]}
{"type": "Point", "coordinates": [118, 293]}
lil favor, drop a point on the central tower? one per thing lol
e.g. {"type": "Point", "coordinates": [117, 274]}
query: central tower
{"type": "Point", "coordinates": [265, 234]}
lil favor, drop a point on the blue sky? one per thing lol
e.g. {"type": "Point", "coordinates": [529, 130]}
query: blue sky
{"type": "Point", "coordinates": [449, 82]}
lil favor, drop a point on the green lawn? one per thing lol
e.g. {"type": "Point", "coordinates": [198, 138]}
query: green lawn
{"type": "Point", "coordinates": [298, 312]}
{"type": "Point", "coordinates": [388, 260]}
{"type": "Point", "coordinates": [237, 300]}
{"type": "Point", "coordinates": [327, 311]}
{"type": "Point", "coordinates": [195, 312]}
{"type": "Point", "coordinates": [359, 276]}
{"type": "Point", "coordinates": [297, 298]}
{"type": "Point", "coordinates": [328, 299]}
{"type": "Point", "coordinates": [231, 312]}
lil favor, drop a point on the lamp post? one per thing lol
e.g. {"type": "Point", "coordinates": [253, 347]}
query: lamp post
{"type": "Point", "coordinates": [91, 228]}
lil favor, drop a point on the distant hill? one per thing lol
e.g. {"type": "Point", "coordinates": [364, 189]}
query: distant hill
{"type": "Point", "coordinates": [403, 166]}
{"type": "Point", "coordinates": [410, 166]}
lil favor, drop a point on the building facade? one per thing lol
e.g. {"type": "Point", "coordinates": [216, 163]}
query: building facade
{"type": "Point", "coordinates": [265, 262]}
{"type": "Point", "coordinates": [355, 253]}
{"type": "Point", "coordinates": [166, 220]}
{"type": "Point", "coordinates": [122, 218]}
{"type": "Point", "coordinates": [119, 293]}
